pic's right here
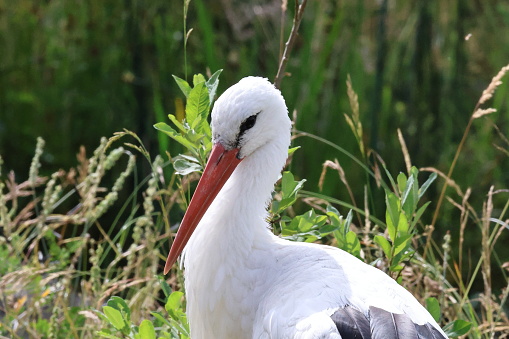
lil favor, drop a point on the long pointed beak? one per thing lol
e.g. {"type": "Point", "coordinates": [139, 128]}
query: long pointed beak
{"type": "Point", "coordinates": [219, 168]}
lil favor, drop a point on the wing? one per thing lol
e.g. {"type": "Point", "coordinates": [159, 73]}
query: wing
{"type": "Point", "coordinates": [323, 292]}
{"type": "Point", "coordinates": [353, 324]}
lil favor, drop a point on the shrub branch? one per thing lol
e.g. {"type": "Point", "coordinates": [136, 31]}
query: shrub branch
{"type": "Point", "coordinates": [299, 14]}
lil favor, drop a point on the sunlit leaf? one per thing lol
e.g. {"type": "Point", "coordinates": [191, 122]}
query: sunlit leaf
{"type": "Point", "coordinates": [183, 85]}
{"type": "Point", "coordinates": [174, 301]}
{"type": "Point", "coordinates": [107, 335]}
{"type": "Point", "coordinates": [401, 243]}
{"type": "Point", "coordinates": [384, 244]}
{"type": "Point", "coordinates": [353, 244]}
{"type": "Point", "coordinates": [457, 328]}
{"type": "Point", "coordinates": [292, 150]}
{"type": "Point", "coordinates": [146, 330]}
{"type": "Point", "coordinates": [212, 84]}
{"type": "Point", "coordinates": [184, 164]}
{"type": "Point", "coordinates": [426, 184]}
{"type": "Point", "coordinates": [198, 79]}
{"type": "Point", "coordinates": [120, 304]}
{"type": "Point", "coordinates": [164, 285]}
{"type": "Point", "coordinates": [197, 105]}
{"type": "Point", "coordinates": [114, 317]}
{"type": "Point", "coordinates": [289, 190]}
{"type": "Point", "coordinates": [161, 126]}
{"type": "Point", "coordinates": [433, 308]}
{"type": "Point", "coordinates": [402, 181]}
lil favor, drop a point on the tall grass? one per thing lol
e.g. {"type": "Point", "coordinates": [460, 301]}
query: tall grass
{"type": "Point", "coordinates": [74, 238]}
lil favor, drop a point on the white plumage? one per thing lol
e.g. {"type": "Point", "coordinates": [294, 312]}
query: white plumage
{"type": "Point", "coordinates": [244, 282]}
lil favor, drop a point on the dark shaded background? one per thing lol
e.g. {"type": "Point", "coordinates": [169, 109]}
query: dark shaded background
{"type": "Point", "coordinates": [72, 71]}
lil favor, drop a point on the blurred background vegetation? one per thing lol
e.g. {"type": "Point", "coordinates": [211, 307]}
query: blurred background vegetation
{"type": "Point", "coordinates": [72, 71]}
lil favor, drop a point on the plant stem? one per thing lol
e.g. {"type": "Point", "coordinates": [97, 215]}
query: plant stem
{"type": "Point", "coordinates": [299, 13]}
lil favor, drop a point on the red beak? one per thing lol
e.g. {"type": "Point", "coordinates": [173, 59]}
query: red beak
{"type": "Point", "coordinates": [219, 168]}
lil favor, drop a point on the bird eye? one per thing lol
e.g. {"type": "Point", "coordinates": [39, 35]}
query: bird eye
{"type": "Point", "coordinates": [248, 123]}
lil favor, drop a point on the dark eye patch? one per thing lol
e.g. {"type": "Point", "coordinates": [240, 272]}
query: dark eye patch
{"type": "Point", "coordinates": [248, 123]}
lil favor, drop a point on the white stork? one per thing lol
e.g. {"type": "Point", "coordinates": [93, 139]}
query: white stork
{"type": "Point", "coordinates": [241, 280]}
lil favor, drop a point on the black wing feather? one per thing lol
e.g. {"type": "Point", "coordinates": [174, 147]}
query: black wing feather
{"type": "Point", "coordinates": [351, 323]}
{"type": "Point", "coordinates": [404, 326]}
{"type": "Point", "coordinates": [381, 324]}
{"type": "Point", "coordinates": [385, 324]}
{"type": "Point", "coordinates": [427, 331]}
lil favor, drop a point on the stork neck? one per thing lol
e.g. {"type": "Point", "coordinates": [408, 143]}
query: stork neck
{"type": "Point", "coordinates": [240, 209]}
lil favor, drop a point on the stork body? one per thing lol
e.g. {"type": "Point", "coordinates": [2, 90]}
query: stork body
{"type": "Point", "coordinates": [241, 280]}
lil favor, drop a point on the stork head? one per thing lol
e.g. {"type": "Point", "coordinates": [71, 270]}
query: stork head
{"type": "Point", "coordinates": [247, 116]}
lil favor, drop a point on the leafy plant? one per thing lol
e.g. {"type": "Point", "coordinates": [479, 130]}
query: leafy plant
{"type": "Point", "coordinates": [401, 217]}
{"type": "Point", "coordinates": [117, 315]}
{"type": "Point", "coordinates": [194, 131]}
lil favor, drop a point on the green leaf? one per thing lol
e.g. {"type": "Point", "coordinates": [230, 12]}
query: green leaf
{"type": "Point", "coordinates": [457, 328]}
{"type": "Point", "coordinates": [391, 228]}
{"type": "Point", "coordinates": [105, 334]}
{"type": "Point", "coordinates": [114, 317]}
{"type": "Point", "coordinates": [147, 330]}
{"type": "Point", "coordinates": [396, 268]}
{"type": "Point", "coordinates": [180, 126]}
{"type": "Point", "coordinates": [160, 318]}
{"type": "Point", "coordinates": [414, 171]}
{"type": "Point", "coordinates": [402, 181]}
{"type": "Point", "coordinates": [401, 243]}
{"type": "Point", "coordinates": [161, 126]}
{"type": "Point", "coordinates": [289, 190]}
{"type": "Point", "coordinates": [353, 245]}
{"type": "Point", "coordinates": [120, 304]}
{"type": "Point", "coordinates": [174, 301]}
{"type": "Point", "coordinates": [197, 105]}
{"type": "Point", "coordinates": [198, 79]}
{"type": "Point", "coordinates": [183, 85]}
{"type": "Point", "coordinates": [393, 184]}
{"type": "Point", "coordinates": [426, 185]}
{"type": "Point", "coordinates": [384, 244]}
{"type": "Point", "coordinates": [292, 150]}
{"type": "Point", "coordinates": [335, 218]}
{"type": "Point", "coordinates": [348, 221]}
{"type": "Point", "coordinates": [402, 225]}
{"type": "Point", "coordinates": [407, 196]}
{"type": "Point", "coordinates": [433, 308]}
{"type": "Point", "coordinates": [212, 85]}
{"type": "Point", "coordinates": [418, 214]}
{"type": "Point", "coordinates": [185, 164]}
{"type": "Point", "coordinates": [164, 285]}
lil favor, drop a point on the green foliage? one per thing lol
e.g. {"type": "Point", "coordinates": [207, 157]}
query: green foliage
{"type": "Point", "coordinates": [457, 328]}
{"type": "Point", "coordinates": [289, 190]}
{"type": "Point", "coordinates": [401, 217]}
{"type": "Point", "coordinates": [433, 308]}
{"type": "Point", "coordinates": [117, 315]}
{"type": "Point", "coordinates": [67, 68]}
{"type": "Point", "coordinates": [194, 131]}
{"type": "Point", "coordinates": [346, 238]}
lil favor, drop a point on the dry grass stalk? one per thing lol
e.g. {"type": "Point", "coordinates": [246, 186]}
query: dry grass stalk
{"type": "Point", "coordinates": [495, 82]}
{"type": "Point", "coordinates": [480, 112]}
{"type": "Point", "coordinates": [367, 222]}
{"type": "Point", "coordinates": [404, 149]}
{"type": "Point", "coordinates": [354, 121]}
{"type": "Point", "coordinates": [337, 167]}
{"type": "Point", "coordinates": [463, 224]}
